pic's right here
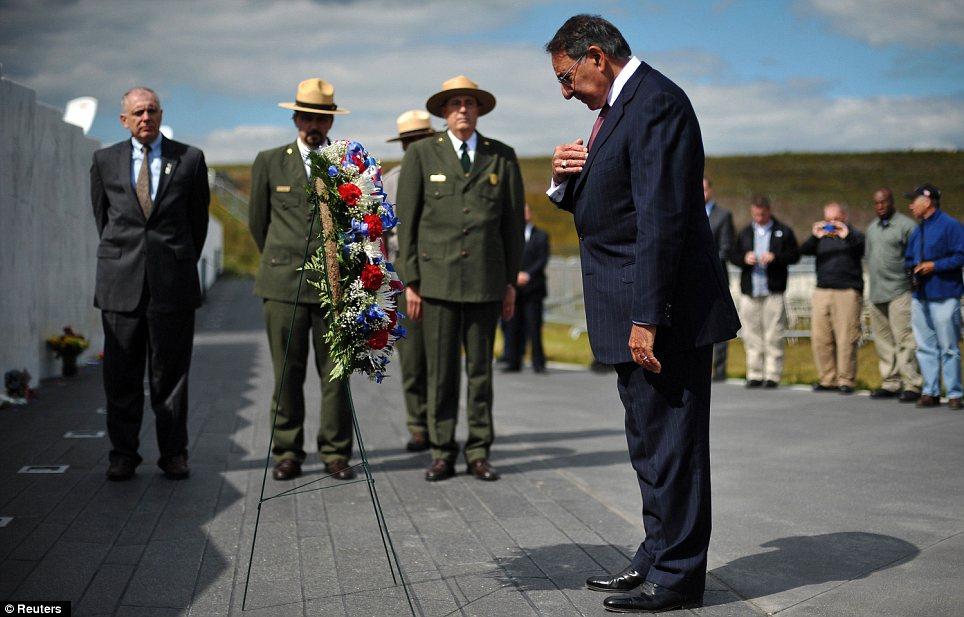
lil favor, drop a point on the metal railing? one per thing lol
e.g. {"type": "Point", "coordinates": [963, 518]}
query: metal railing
{"type": "Point", "coordinates": [228, 195]}
{"type": "Point", "coordinates": [564, 304]}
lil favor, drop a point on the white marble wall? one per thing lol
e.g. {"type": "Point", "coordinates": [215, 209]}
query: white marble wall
{"type": "Point", "coordinates": [48, 241]}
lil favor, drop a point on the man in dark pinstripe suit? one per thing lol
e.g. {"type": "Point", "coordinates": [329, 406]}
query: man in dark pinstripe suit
{"type": "Point", "coordinates": [655, 293]}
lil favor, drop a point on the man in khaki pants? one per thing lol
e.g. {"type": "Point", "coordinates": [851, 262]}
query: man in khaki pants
{"type": "Point", "coordinates": [763, 249]}
{"type": "Point", "coordinates": [837, 300]}
{"type": "Point", "coordinates": [890, 301]}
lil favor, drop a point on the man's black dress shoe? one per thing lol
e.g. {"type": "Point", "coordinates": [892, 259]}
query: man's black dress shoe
{"type": "Point", "coordinates": [626, 580]}
{"type": "Point", "coordinates": [440, 469]}
{"type": "Point", "coordinates": [907, 396]}
{"type": "Point", "coordinates": [482, 470]}
{"type": "Point", "coordinates": [882, 393]}
{"type": "Point", "coordinates": [822, 388]}
{"type": "Point", "coordinates": [846, 389]}
{"type": "Point", "coordinates": [120, 470]}
{"type": "Point", "coordinates": [653, 599]}
{"type": "Point", "coordinates": [769, 383]}
{"type": "Point", "coordinates": [339, 470]}
{"type": "Point", "coordinates": [418, 442]}
{"type": "Point", "coordinates": [754, 383]}
{"type": "Point", "coordinates": [175, 467]}
{"type": "Point", "coordinates": [286, 469]}
{"type": "Point", "coordinates": [511, 368]}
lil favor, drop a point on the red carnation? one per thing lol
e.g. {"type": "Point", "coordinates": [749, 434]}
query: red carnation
{"type": "Point", "coordinates": [393, 316]}
{"type": "Point", "coordinates": [374, 225]}
{"type": "Point", "coordinates": [359, 162]}
{"type": "Point", "coordinates": [349, 193]}
{"type": "Point", "coordinates": [378, 340]}
{"type": "Point", "coordinates": [372, 277]}
{"type": "Point", "coordinates": [396, 284]}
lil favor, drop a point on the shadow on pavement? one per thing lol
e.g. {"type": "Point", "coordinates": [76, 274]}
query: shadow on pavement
{"type": "Point", "coordinates": [798, 561]}
{"type": "Point", "coordinates": [791, 562]}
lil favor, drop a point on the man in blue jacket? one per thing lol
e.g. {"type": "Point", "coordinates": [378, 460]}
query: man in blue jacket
{"type": "Point", "coordinates": [935, 254]}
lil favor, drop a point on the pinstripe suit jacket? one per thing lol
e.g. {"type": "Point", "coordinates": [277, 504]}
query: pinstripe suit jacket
{"type": "Point", "coordinates": [648, 254]}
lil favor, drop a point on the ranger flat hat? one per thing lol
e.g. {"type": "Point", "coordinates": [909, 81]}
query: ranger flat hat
{"type": "Point", "coordinates": [413, 123]}
{"type": "Point", "coordinates": [315, 96]}
{"type": "Point", "coordinates": [456, 86]}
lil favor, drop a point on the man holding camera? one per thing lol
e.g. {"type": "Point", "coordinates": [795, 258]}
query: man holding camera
{"type": "Point", "coordinates": [837, 300]}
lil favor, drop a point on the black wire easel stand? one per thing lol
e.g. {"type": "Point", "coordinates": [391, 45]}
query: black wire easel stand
{"type": "Point", "coordinates": [390, 554]}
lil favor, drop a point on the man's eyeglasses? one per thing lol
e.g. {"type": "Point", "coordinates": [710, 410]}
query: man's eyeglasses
{"type": "Point", "coordinates": [566, 78]}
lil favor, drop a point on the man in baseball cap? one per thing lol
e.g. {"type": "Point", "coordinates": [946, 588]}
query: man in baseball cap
{"type": "Point", "coordinates": [935, 255]}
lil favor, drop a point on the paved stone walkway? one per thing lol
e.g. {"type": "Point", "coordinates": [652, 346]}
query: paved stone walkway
{"type": "Point", "coordinates": [824, 504]}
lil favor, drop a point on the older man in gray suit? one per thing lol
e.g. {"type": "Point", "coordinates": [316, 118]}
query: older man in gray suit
{"type": "Point", "coordinates": [721, 224]}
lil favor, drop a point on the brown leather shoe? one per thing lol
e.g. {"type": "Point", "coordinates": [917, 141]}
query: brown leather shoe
{"type": "Point", "coordinates": [286, 469]}
{"type": "Point", "coordinates": [928, 401]}
{"type": "Point", "coordinates": [120, 470]}
{"type": "Point", "coordinates": [175, 467]}
{"type": "Point", "coordinates": [440, 469]}
{"type": "Point", "coordinates": [339, 470]}
{"type": "Point", "coordinates": [418, 442]}
{"type": "Point", "coordinates": [954, 403]}
{"type": "Point", "coordinates": [482, 470]}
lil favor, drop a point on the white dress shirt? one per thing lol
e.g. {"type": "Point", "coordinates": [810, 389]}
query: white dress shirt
{"type": "Point", "coordinates": [556, 191]}
{"type": "Point", "coordinates": [154, 158]}
{"type": "Point", "coordinates": [304, 150]}
{"type": "Point", "coordinates": [472, 142]}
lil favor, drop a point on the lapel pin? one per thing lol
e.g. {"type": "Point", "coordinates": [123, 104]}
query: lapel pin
{"type": "Point", "coordinates": [288, 151]}
{"type": "Point", "coordinates": [167, 170]}
{"type": "Point", "coordinates": [493, 179]}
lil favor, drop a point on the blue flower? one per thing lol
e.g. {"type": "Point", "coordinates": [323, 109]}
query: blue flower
{"type": "Point", "coordinates": [400, 331]}
{"type": "Point", "coordinates": [332, 171]}
{"type": "Point", "coordinates": [359, 228]}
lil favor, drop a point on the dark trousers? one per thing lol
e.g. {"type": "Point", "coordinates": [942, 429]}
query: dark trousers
{"type": "Point", "coordinates": [525, 325]}
{"type": "Point", "coordinates": [411, 352]}
{"type": "Point", "coordinates": [165, 342]}
{"type": "Point", "coordinates": [335, 429]}
{"type": "Point", "coordinates": [667, 430]}
{"type": "Point", "coordinates": [448, 328]}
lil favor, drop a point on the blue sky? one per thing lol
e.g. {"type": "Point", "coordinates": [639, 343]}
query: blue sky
{"type": "Point", "coordinates": [764, 75]}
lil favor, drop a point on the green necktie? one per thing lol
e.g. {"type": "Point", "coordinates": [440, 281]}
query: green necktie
{"type": "Point", "coordinates": [466, 161]}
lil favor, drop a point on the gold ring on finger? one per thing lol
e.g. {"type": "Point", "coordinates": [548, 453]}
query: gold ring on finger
{"type": "Point", "coordinates": [564, 164]}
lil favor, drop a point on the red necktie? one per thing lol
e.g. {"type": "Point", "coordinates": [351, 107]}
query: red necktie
{"type": "Point", "coordinates": [598, 124]}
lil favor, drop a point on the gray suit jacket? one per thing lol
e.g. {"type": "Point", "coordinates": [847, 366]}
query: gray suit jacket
{"type": "Point", "coordinates": [164, 247]}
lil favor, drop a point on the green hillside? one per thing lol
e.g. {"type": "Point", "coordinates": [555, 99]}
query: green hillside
{"type": "Point", "coordinates": [798, 186]}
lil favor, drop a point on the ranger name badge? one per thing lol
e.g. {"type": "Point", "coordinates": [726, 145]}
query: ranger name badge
{"type": "Point", "coordinates": [437, 178]}
{"type": "Point", "coordinates": [282, 188]}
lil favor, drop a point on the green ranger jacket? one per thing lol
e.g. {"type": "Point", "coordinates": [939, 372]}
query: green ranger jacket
{"type": "Point", "coordinates": [278, 217]}
{"type": "Point", "coordinates": [460, 235]}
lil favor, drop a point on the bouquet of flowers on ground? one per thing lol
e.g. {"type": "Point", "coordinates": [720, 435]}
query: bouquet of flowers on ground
{"type": "Point", "coordinates": [356, 282]}
{"type": "Point", "coordinates": [67, 344]}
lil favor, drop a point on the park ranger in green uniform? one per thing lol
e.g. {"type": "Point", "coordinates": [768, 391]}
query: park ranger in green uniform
{"type": "Point", "coordinates": [279, 218]}
{"type": "Point", "coordinates": [460, 207]}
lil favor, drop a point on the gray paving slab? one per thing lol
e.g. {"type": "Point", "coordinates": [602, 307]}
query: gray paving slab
{"type": "Point", "coordinates": [823, 505]}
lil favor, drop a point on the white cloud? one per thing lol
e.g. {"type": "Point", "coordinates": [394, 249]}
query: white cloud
{"type": "Point", "coordinates": [768, 116]}
{"type": "Point", "coordinates": [241, 143]}
{"type": "Point", "coordinates": [255, 53]}
{"type": "Point", "coordinates": [912, 23]}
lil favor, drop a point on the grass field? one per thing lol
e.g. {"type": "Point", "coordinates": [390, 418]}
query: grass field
{"type": "Point", "coordinates": [798, 367]}
{"type": "Point", "coordinates": [798, 186]}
